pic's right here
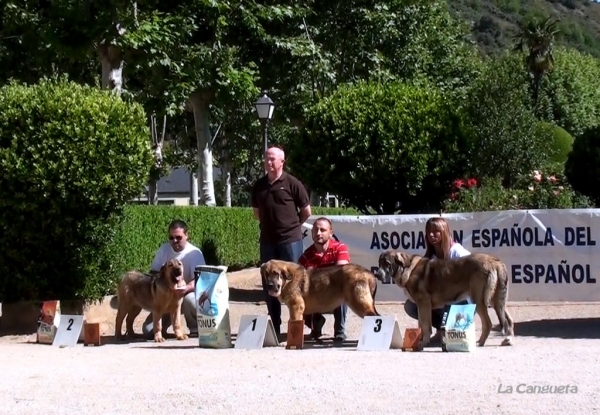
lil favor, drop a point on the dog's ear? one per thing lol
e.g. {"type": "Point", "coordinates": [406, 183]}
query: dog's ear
{"type": "Point", "coordinates": [263, 271]}
{"type": "Point", "coordinates": [286, 273]}
{"type": "Point", "coordinates": [163, 269]}
{"type": "Point", "coordinates": [400, 258]}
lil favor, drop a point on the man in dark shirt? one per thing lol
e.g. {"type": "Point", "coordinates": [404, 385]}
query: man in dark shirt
{"type": "Point", "coordinates": [281, 205]}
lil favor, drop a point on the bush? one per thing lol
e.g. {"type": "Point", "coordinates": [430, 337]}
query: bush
{"type": "Point", "coordinates": [227, 236]}
{"type": "Point", "coordinates": [403, 138]}
{"type": "Point", "coordinates": [582, 167]}
{"type": "Point", "coordinates": [538, 190]}
{"type": "Point", "coordinates": [71, 156]}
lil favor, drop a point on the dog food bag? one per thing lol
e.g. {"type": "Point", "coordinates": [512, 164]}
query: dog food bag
{"type": "Point", "coordinates": [212, 307]}
{"type": "Point", "coordinates": [48, 322]}
{"type": "Point", "coordinates": [459, 329]}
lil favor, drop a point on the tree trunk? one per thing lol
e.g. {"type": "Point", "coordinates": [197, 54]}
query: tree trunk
{"type": "Point", "coordinates": [200, 102]}
{"type": "Point", "coordinates": [111, 57]}
{"type": "Point", "coordinates": [194, 189]}
{"type": "Point", "coordinates": [152, 192]}
{"type": "Point", "coordinates": [227, 190]}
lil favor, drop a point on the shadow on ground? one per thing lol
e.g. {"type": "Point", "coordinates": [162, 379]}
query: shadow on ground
{"type": "Point", "coordinates": [569, 328]}
{"type": "Point", "coordinates": [246, 295]}
{"type": "Point", "coordinates": [309, 343]}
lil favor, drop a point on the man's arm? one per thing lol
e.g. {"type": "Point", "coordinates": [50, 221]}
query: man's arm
{"type": "Point", "coordinates": [302, 201]}
{"type": "Point", "coordinates": [304, 214]}
{"type": "Point", "coordinates": [194, 258]}
{"type": "Point", "coordinates": [343, 256]}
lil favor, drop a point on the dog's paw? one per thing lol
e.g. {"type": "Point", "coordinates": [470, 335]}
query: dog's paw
{"type": "Point", "coordinates": [480, 343]}
{"type": "Point", "coordinates": [159, 338]}
{"type": "Point", "coordinates": [182, 337]}
{"type": "Point", "coordinates": [507, 342]}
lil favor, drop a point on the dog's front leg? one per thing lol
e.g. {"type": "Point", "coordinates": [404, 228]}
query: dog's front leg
{"type": "Point", "coordinates": [157, 326]}
{"type": "Point", "coordinates": [424, 310]}
{"type": "Point", "coordinates": [176, 319]}
{"type": "Point", "coordinates": [296, 308]}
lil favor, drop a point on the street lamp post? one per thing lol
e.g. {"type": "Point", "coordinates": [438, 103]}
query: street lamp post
{"type": "Point", "coordinates": [264, 109]}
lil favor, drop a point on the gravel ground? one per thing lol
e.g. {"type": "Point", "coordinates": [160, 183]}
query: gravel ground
{"type": "Point", "coordinates": [179, 377]}
{"type": "Point", "coordinates": [556, 345]}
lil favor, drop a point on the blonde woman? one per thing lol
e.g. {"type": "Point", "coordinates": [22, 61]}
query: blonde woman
{"type": "Point", "coordinates": [439, 244]}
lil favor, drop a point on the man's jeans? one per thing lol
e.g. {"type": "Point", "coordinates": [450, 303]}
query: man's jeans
{"type": "Point", "coordinates": [188, 311]}
{"type": "Point", "coordinates": [436, 314]}
{"type": "Point", "coordinates": [284, 252]}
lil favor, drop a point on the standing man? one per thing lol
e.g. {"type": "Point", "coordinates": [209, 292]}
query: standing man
{"type": "Point", "coordinates": [179, 248]}
{"type": "Point", "coordinates": [281, 205]}
{"type": "Point", "coordinates": [325, 252]}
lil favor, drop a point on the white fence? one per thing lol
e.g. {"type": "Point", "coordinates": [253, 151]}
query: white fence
{"type": "Point", "coordinates": [551, 255]}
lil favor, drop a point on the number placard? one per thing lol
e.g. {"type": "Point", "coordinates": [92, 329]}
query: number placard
{"type": "Point", "coordinates": [68, 330]}
{"type": "Point", "coordinates": [380, 333]}
{"type": "Point", "coordinates": [256, 332]}
{"type": "Point", "coordinates": [295, 335]}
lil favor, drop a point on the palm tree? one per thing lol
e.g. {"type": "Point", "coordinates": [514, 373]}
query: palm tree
{"type": "Point", "coordinates": [539, 40]}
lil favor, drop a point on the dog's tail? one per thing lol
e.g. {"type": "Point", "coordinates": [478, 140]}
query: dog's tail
{"type": "Point", "coordinates": [114, 302]}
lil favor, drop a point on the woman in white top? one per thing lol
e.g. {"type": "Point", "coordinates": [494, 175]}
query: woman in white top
{"type": "Point", "coordinates": [439, 243]}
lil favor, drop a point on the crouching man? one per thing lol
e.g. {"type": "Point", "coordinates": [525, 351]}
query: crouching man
{"type": "Point", "coordinates": [325, 252]}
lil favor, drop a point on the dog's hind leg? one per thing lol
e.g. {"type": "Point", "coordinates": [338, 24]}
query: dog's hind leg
{"type": "Point", "coordinates": [134, 311]}
{"type": "Point", "coordinates": [360, 300]}
{"type": "Point", "coordinates": [121, 313]}
{"type": "Point", "coordinates": [506, 320]}
{"type": "Point", "coordinates": [486, 322]}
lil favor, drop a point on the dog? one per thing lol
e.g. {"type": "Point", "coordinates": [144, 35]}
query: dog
{"type": "Point", "coordinates": [433, 283]}
{"type": "Point", "coordinates": [154, 292]}
{"type": "Point", "coordinates": [320, 290]}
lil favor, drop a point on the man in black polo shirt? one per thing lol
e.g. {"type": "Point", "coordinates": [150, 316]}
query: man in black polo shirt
{"type": "Point", "coordinates": [281, 205]}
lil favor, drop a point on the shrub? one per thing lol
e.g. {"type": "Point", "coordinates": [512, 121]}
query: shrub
{"type": "Point", "coordinates": [582, 167]}
{"type": "Point", "coordinates": [538, 190]}
{"type": "Point", "coordinates": [227, 236]}
{"type": "Point", "coordinates": [559, 142]}
{"type": "Point", "coordinates": [369, 136]}
{"type": "Point", "coordinates": [71, 156]}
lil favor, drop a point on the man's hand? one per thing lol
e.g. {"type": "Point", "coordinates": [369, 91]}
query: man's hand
{"type": "Point", "coordinates": [181, 291]}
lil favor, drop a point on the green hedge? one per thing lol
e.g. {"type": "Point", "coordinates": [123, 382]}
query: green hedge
{"type": "Point", "coordinates": [227, 236]}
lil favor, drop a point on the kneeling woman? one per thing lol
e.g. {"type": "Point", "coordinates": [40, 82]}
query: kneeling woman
{"type": "Point", "coordinates": [439, 243]}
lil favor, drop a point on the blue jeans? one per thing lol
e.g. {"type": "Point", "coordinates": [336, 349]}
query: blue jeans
{"type": "Point", "coordinates": [436, 314]}
{"type": "Point", "coordinates": [285, 252]}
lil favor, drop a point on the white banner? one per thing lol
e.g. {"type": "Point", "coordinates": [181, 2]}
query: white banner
{"type": "Point", "coordinates": [551, 255]}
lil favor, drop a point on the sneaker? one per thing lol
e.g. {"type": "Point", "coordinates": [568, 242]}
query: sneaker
{"type": "Point", "coordinates": [339, 338]}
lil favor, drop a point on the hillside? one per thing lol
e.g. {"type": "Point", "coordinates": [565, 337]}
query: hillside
{"type": "Point", "coordinates": [494, 22]}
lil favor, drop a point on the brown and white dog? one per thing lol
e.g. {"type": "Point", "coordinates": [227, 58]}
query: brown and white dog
{"type": "Point", "coordinates": [153, 292]}
{"type": "Point", "coordinates": [321, 290]}
{"type": "Point", "coordinates": [433, 283]}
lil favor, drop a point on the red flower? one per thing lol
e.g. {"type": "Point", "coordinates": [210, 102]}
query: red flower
{"type": "Point", "coordinates": [471, 182]}
{"type": "Point", "coordinates": [458, 183]}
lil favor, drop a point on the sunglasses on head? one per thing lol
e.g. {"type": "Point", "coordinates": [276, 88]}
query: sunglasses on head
{"type": "Point", "coordinates": [176, 238]}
